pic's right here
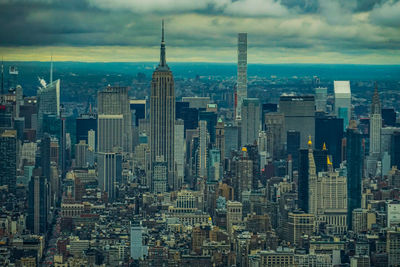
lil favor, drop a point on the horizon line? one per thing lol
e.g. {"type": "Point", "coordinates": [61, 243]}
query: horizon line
{"type": "Point", "coordinates": [206, 62]}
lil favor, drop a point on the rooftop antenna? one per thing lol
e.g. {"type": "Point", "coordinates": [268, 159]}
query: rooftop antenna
{"type": "Point", "coordinates": [51, 69]}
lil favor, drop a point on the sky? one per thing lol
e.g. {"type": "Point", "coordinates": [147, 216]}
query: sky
{"type": "Point", "coordinates": [279, 31]}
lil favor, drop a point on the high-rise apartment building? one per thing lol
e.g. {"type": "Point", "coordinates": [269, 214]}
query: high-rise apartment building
{"type": "Point", "coordinates": [162, 114]}
{"type": "Point", "coordinates": [241, 90]}
{"type": "Point", "coordinates": [251, 120]}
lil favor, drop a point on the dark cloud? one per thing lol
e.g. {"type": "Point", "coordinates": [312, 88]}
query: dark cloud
{"type": "Point", "coordinates": [326, 25]}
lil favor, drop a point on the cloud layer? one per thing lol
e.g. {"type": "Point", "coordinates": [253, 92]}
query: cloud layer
{"type": "Point", "coordinates": [350, 28]}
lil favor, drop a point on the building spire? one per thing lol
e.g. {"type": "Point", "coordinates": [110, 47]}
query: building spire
{"type": "Point", "coordinates": [376, 103]}
{"type": "Point", "coordinates": [163, 62]}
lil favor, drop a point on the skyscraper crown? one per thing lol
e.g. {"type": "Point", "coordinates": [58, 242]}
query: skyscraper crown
{"type": "Point", "coordinates": [376, 103]}
{"type": "Point", "coordinates": [163, 62]}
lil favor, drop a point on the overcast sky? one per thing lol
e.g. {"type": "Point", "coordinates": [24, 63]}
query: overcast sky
{"type": "Point", "coordinates": [285, 31]}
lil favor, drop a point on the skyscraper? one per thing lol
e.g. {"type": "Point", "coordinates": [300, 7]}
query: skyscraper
{"type": "Point", "coordinates": [375, 124]}
{"type": "Point", "coordinates": [38, 207]}
{"type": "Point", "coordinates": [203, 148]}
{"type": "Point", "coordinates": [355, 159]}
{"type": "Point", "coordinates": [312, 181]}
{"type": "Point", "coordinates": [109, 172]}
{"type": "Point", "coordinates": [220, 138]}
{"type": "Point", "coordinates": [275, 130]}
{"type": "Point", "coordinates": [320, 98]}
{"type": "Point", "coordinates": [8, 159]}
{"type": "Point", "coordinates": [329, 131]}
{"type": "Point", "coordinates": [84, 124]}
{"type": "Point", "coordinates": [138, 109]}
{"type": "Point", "coordinates": [343, 101]}
{"type": "Point", "coordinates": [49, 103]}
{"type": "Point", "coordinates": [162, 113]}
{"type": "Point", "coordinates": [293, 146]}
{"type": "Point", "coordinates": [115, 101]}
{"type": "Point", "coordinates": [241, 90]}
{"type": "Point", "coordinates": [109, 132]}
{"type": "Point", "coordinates": [299, 114]}
{"type": "Point", "coordinates": [251, 121]}
{"type": "Point", "coordinates": [179, 152]}
{"type": "Point", "coordinates": [320, 163]}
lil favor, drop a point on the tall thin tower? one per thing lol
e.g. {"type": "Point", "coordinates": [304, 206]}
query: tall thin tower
{"type": "Point", "coordinates": [375, 124]}
{"type": "Point", "coordinates": [162, 114]}
{"type": "Point", "coordinates": [241, 90]}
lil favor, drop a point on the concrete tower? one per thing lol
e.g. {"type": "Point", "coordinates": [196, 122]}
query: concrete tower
{"type": "Point", "coordinates": [162, 113]}
{"type": "Point", "coordinates": [241, 90]}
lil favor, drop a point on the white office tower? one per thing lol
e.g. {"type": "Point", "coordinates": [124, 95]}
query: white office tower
{"type": "Point", "coordinates": [343, 101]}
{"type": "Point", "coordinates": [107, 173]}
{"type": "Point", "coordinates": [109, 132]}
{"type": "Point", "coordinates": [241, 90]}
{"type": "Point", "coordinates": [138, 249]}
{"type": "Point", "coordinates": [375, 125]}
{"type": "Point", "coordinates": [251, 120]}
{"type": "Point", "coordinates": [321, 94]}
{"type": "Point", "coordinates": [202, 154]}
{"type": "Point", "coordinates": [179, 152]}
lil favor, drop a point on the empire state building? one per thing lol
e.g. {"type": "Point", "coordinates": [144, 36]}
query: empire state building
{"type": "Point", "coordinates": [162, 114]}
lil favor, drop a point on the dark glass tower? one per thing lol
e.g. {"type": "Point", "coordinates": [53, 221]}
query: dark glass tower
{"type": "Point", "coordinates": [162, 114]}
{"type": "Point", "coordinates": [84, 124]}
{"type": "Point", "coordinates": [293, 146]}
{"type": "Point", "coordinates": [389, 117]}
{"type": "Point", "coordinates": [8, 159]}
{"type": "Point", "coordinates": [329, 130]}
{"type": "Point", "coordinates": [395, 153]}
{"type": "Point", "coordinates": [354, 157]}
{"type": "Point", "coordinates": [211, 119]}
{"type": "Point", "coordinates": [37, 203]}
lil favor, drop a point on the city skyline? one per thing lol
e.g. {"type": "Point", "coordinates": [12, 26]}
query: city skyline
{"type": "Point", "coordinates": [200, 164]}
{"type": "Point", "coordinates": [349, 32]}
